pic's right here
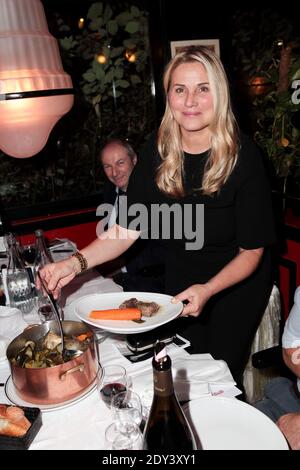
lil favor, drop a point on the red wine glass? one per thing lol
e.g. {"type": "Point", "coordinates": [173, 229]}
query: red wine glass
{"type": "Point", "coordinates": [111, 379]}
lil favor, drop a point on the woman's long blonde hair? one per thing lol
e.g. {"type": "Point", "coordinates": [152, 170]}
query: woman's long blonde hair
{"type": "Point", "coordinates": [224, 134]}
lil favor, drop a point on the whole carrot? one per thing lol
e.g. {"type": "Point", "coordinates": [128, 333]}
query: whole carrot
{"type": "Point", "coordinates": [116, 314]}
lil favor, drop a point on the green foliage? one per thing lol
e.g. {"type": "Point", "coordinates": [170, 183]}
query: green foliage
{"type": "Point", "coordinates": [276, 133]}
{"type": "Point", "coordinates": [257, 54]}
{"type": "Point", "coordinates": [118, 92]}
{"type": "Point", "coordinates": [107, 36]}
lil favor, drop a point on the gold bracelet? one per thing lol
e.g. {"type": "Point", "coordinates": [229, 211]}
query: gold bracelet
{"type": "Point", "coordinates": [82, 260]}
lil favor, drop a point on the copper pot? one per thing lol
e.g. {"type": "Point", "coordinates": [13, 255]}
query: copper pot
{"type": "Point", "coordinates": [53, 384]}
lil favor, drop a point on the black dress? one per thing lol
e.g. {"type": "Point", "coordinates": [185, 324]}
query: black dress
{"type": "Point", "coordinates": [144, 261]}
{"type": "Point", "coordinates": [239, 216]}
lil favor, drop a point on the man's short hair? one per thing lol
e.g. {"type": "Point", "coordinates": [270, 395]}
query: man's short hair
{"type": "Point", "coordinates": [126, 145]}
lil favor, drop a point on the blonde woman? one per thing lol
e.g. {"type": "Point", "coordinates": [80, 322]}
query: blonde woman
{"type": "Point", "coordinates": [219, 224]}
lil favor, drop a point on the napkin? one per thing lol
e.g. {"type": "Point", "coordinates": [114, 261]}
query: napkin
{"type": "Point", "coordinates": [4, 341]}
{"type": "Point", "coordinates": [8, 311]}
{"type": "Point", "coordinates": [193, 375]}
{"type": "Point", "coordinates": [12, 323]}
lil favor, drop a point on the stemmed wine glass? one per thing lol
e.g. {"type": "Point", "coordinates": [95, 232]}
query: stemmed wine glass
{"type": "Point", "coordinates": [129, 438]}
{"type": "Point", "coordinates": [111, 379]}
{"type": "Point", "coordinates": [126, 408]}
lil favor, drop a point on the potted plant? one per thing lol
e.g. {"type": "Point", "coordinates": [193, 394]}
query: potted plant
{"type": "Point", "coordinates": [277, 131]}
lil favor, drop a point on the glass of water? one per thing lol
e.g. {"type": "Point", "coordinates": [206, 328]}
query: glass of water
{"type": "Point", "coordinates": [20, 291]}
{"type": "Point", "coordinates": [18, 282]}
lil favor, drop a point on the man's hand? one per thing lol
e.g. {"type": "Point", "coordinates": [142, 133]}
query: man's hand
{"type": "Point", "coordinates": [289, 424]}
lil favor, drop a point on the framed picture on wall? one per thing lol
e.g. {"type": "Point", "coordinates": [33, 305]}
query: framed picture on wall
{"type": "Point", "coordinates": [213, 44]}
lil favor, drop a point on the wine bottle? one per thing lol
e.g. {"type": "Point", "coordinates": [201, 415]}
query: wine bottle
{"type": "Point", "coordinates": [167, 428]}
{"type": "Point", "coordinates": [42, 254]}
{"type": "Point", "coordinates": [42, 257]}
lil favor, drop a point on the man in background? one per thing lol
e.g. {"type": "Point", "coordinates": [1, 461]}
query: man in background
{"type": "Point", "coordinates": [118, 160]}
{"type": "Point", "coordinates": [282, 395]}
{"type": "Point", "coordinates": [142, 269]}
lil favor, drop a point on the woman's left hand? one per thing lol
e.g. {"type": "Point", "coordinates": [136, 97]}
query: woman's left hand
{"type": "Point", "coordinates": [197, 296]}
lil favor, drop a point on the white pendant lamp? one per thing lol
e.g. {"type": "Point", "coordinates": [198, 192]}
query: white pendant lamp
{"type": "Point", "coordinates": [35, 92]}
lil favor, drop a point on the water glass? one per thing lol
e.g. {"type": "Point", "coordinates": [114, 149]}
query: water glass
{"type": "Point", "coordinates": [127, 438]}
{"type": "Point", "coordinates": [111, 379]}
{"type": "Point", "coordinates": [126, 407]}
{"type": "Point", "coordinates": [20, 291]}
{"type": "Point", "coordinates": [146, 399]}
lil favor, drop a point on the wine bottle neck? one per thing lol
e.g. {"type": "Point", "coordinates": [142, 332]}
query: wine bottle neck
{"type": "Point", "coordinates": [163, 383]}
{"type": "Point", "coordinates": [14, 260]}
{"type": "Point", "coordinates": [41, 244]}
{"type": "Point", "coordinates": [43, 255]}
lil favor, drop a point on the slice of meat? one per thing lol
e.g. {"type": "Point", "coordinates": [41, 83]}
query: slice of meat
{"type": "Point", "coordinates": [130, 303]}
{"type": "Point", "coordinates": [147, 308]}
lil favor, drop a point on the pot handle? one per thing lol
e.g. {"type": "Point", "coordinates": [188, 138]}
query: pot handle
{"type": "Point", "coordinates": [80, 367]}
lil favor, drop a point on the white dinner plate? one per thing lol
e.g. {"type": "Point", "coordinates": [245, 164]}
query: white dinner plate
{"type": "Point", "coordinates": [229, 424]}
{"type": "Point", "coordinates": [167, 312]}
{"type": "Point", "coordinates": [14, 398]}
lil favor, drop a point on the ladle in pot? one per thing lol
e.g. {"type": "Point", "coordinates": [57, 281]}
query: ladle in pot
{"type": "Point", "coordinates": [67, 354]}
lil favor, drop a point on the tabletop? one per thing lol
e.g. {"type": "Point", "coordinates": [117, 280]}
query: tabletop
{"type": "Point", "coordinates": [80, 423]}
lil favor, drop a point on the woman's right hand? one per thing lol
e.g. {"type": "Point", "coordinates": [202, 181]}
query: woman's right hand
{"type": "Point", "coordinates": [58, 275]}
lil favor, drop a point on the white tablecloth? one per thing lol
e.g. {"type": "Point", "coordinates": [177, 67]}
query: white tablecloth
{"type": "Point", "coordinates": [82, 425]}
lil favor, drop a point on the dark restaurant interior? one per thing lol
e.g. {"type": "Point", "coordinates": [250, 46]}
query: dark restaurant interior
{"type": "Point", "coordinates": [60, 187]}
{"type": "Point", "coordinates": [113, 55]}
